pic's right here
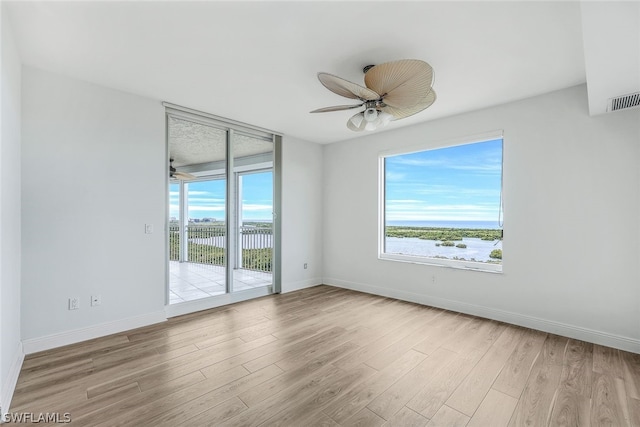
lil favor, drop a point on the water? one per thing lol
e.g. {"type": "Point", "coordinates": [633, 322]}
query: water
{"type": "Point", "coordinates": [476, 249]}
{"type": "Point", "coordinates": [490, 225]}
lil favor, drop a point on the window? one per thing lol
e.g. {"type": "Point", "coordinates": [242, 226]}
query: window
{"type": "Point", "coordinates": [444, 206]}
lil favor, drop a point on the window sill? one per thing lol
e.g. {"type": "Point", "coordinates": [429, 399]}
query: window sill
{"type": "Point", "coordinates": [449, 263]}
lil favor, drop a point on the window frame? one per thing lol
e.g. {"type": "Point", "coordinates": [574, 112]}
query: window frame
{"type": "Point", "coordinates": [417, 259]}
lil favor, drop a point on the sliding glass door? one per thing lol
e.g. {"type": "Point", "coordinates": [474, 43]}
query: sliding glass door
{"type": "Point", "coordinates": [221, 233]}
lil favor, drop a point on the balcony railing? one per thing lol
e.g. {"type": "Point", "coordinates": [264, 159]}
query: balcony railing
{"type": "Point", "coordinates": [206, 245]}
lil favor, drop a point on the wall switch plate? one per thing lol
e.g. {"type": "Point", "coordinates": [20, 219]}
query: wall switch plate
{"type": "Point", "coordinates": [148, 228]}
{"type": "Point", "coordinates": [96, 300]}
{"type": "Point", "coordinates": [74, 303]}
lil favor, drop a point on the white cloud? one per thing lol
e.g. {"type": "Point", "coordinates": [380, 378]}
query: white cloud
{"type": "Point", "coordinates": [198, 193]}
{"type": "Point", "coordinates": [494, 168]}
{"type": "Point", "coordinates": [395, 176]}
{"type": "Point", "coordinates": [208, 200]}
{"type": "Point", "coordinates": [407, 210]}
{"type": "Point", "coordinates": [256, 207]}
{"type": "Point", "coordinates": [402, 160]}
{"type": "Point", "coordinates": [402, 201]}
{"type": "Point", "coordinates": [206, 208]}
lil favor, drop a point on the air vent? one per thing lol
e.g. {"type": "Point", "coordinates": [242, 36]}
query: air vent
{"type": "Point", "coordinates": [624, 101]}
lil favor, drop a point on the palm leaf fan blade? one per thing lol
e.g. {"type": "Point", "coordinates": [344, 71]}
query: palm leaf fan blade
{"type": "Point", "coordinates": [401, 113]}
{"type": "Point", "coordinates": [403, 84]}
{"type": "Point", "coordinates": [346, 88]}
{"type": "Point", "coordinates": [336, 108]}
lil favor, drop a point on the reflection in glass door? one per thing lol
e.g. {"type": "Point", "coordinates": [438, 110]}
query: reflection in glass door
{"type": "Point", "coordinates": [252, 220]}
{"type": "Point", "coordinates": [254, 253]}
{"type": "Point", "coordinates": [221, 234]}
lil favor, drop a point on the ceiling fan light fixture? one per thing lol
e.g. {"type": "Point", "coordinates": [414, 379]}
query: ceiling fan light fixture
{"type": "Point", "coordinates": [357, 123]}
{"type": "Point", "coordinates": [384, 118]}
{"type": "Point", "coordinates": [370, 114]}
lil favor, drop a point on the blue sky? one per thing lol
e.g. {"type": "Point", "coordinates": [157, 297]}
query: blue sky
{"type": "Point", "coordinates": [207, 198]}
{"type": "Point", "coordinates": [460, 183]}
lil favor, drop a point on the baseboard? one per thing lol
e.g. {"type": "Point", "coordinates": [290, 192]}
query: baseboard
{"type": "Point", "coordinates": [35, 345]}
{"type": "Point", "coordinates": [187, 307]}
{"type": "Point", "coordinates": [571, 331]}
{"type": "Point", "coordinates": [301, 284]}
{"type": "Point", "coordinates": [10, 382]}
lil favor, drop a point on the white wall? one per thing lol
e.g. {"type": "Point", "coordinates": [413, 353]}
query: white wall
{"type": "Point", "coordinates": [301, 214]}
{"type": "Point", "coordinates": [93, 174]}
{"type": "Point", "coordinates": [11, 354]}
{"type": "Point", "coordinates": [572, 214]}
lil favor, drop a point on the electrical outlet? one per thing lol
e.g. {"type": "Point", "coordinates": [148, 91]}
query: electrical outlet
{"type": "Point", "coordinates": [74, 303]}
{"type": "Point", "coordinates": [96, 300]}
{"type": "Point", "coordinates": [305, 265]}
{"type": "Point", "coordinates": [148, 228]}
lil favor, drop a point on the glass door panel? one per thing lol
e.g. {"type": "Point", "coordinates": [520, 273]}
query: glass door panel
{"type": "Point", "coordinates": [198, 205]}
{"type": "Point", "coordinates": [253, 225]}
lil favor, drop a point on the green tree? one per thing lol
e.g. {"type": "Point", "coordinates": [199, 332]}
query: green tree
{"type": "Point", "coordinates": [496, 254]}
{"type": "Point", "coordinates": [442, 234]}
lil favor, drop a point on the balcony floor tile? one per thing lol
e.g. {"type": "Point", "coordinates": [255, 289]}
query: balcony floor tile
{"type": "Point", "coordinates": [190, 281]}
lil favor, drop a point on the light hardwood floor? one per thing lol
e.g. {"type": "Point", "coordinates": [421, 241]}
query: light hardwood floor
{"type": "Point", "coordinates": [333, 357]}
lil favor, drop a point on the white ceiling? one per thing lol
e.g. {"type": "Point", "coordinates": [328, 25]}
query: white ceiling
{"type": "Point", "coordinates": [256, 62]}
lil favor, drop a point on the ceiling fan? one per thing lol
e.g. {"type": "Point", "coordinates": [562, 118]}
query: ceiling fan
{"type": "Point", "coordinates": [183, 176]}
{"type": "Point", "coordinates": [394, 90]}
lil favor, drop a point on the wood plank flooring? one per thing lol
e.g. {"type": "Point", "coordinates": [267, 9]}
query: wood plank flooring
{"type": "Point", "coordinates": [326, 356]}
